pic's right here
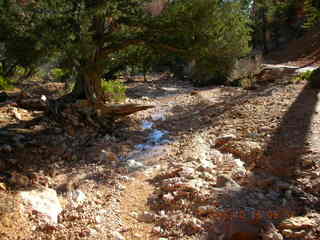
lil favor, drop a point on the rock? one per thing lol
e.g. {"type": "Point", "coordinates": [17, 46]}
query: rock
{"type": "Point", "coordinates": [99, 219]}
{"type": "Point", "coordinates": [117, 235]}
{"type": "Point", "coordinates": [168, 198]}
{"type": "Point", "coordinates": [134, 214]}
{"type": "Point", "coordinates": [121, 187]}
{"type": "Point", "coordinates": [224, 139]}
{"type": "Point", "coordinates": [293, 234]}
{"type": "Point", "coordinates": [78, 197]}
{"type": "Point", "coordinates": [44, 201]}
{"type": "Point", "coordinates": [194, 224]}
{"type": "Point", "coordinates": [225, 181]}
{"type": "Point", "coordinates": [270, 232]}
{"type": "Point", "coordinates": [126, 178]}
{"type": "Point", "coordinates": [157, 229]}
{"type": "Point", "coordinates": [297, 223]}
{"type": "Point", "coordinates": [194, 184]}
{"type": "Point", "coordinates": [203, 210]}
{"type": "Point", "coordinates": [147, 217]}
{"type": "Point", "coordinates": [217, 156]}
{"type": "Point", "coordinates": [187, 172]}
{"type": "Point", "coordinates": [134, 165]}
{"type": "Point", "coordinates": [6, 148]}
{"type": "Point", "coordinates": [235, 230]}
{"type": "Point", "coordinates": [207, 176]}
{"type": "Point", "coordinates": [247, 151]}
{"type": "Point", "coordinates": [92, 232]}
{"type": "Point", "coordinates": [16, 113]}
{"type": "Point", "coordinates": [206, 166]}
{"type": "Point", "coordinates": [260, 180]}
{"type": "Point", "coordinates": [108, 157]}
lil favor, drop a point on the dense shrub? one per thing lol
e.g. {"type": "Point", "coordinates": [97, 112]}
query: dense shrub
{"type": "Point", "coordinates": [5, 83]}
{"type": "Point", "coordinates": [304, 76]}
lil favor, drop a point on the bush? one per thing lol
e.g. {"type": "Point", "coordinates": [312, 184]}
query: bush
{"type": "Point", "coordinates": [56, 74]}
{"type": "Point", "coordinates": [304, 76]}
{"type": "Point", "coordinates": [115, 90]}
{"type": "Point", "coordinates": [313, 77]}
{"type": "Point", "coordinates": [5, 83]}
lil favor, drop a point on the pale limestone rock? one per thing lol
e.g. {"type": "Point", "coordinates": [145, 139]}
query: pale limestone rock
{"type": "Point", "coordinates": [44, 201]}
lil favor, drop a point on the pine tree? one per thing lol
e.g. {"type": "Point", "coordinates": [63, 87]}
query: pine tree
{"type": "Point", "coordinates": [312, 11]}
{"type": "Point", "coordinates": [91, 35]}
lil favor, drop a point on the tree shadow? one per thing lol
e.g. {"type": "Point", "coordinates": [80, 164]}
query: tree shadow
{"type": "Point", "coordinates": [282, 156]}
{"type": "Point", "coordinates": [281, 161]}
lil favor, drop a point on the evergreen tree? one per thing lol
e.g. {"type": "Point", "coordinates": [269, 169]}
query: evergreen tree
{"type": "Point", "coordinates": [312, 10]}
{"type": "Point", "coordinates": [91, 36]}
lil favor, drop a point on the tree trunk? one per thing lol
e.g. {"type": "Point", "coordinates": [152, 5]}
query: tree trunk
{"type": "Point", "coordinates": [87, 86]}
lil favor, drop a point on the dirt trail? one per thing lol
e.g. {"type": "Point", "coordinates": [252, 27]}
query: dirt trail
{"type": "Point", "coordinates": [175, 171]}
{"type": "Point", "coordinates": [133, 203]}
{"type": "Point", "coordinates": [277, 109]}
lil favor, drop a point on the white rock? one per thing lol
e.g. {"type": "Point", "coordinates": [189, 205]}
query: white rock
{"type": "Point", "coordinates": [121, 187]}
{"type": "Point", "coordinates": [44, 201]}
{"type": "Point", "coordinates": [157, 229]}
{"type": "Point", "coordinates": [117, 235]}
{"type": "Point", "coordinates": [99, 219]}
{"type": "Point", "coordinates": [134, 214]}
{"type": "Point", "coordinates": [225, 138]}
{"type": "Point", "coordinates": [187, 172]}
{"type": "Point", "coordinates": [206, 210]}
{"type": "Point", "coordinates": [299, 222]}
{"type": "Point", "coordinates": [126, 178]}
{"type": "Point", "coordinates": [78, 197]}
{"type": "Point", "coordinates": [43, 98]}
{"type": "Point", "coordinates": [168, 197]}
{"type": "Point", "coordinates": [206, 166]}
{"type": "Point", "coordinates": [132, 163]}
{"type": "Point", "coordinates": [16, 114]}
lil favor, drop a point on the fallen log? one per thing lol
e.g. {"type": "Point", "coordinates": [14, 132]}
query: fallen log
{"type": "Point", "coordinates": [112, 110]}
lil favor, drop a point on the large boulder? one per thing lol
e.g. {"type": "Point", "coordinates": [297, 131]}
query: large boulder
{"type": "Point", "coordinates": [45, 202]}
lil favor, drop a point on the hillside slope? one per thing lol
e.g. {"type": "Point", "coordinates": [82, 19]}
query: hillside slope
{"type": "Point", "coordinates": [304, 51]}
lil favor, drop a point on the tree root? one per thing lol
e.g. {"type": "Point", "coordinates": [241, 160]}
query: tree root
{"type": "Point", "coordinates": [98, 115]}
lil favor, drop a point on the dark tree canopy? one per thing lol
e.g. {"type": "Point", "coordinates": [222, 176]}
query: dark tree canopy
{"type": "Point", "coordinates": [91, 36]}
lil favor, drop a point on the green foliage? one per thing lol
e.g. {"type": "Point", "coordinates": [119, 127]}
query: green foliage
{"type": "Point", "coordinates": [115, 90]}
{"type": "Point", "coordinates": [213, 63]}
{"type": "Point", "coordinates": [304, 76]}
{"type": "Point", "coordinates": [312, 10]}
{"type": "Point", "coordinates": [5, 83]}
{"type": "Point", "coordinates": [57, 74]}
{"type": "Point", "coordinates": [100, 36]}
{"type": "Point", "coordinates": [313, 77]}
